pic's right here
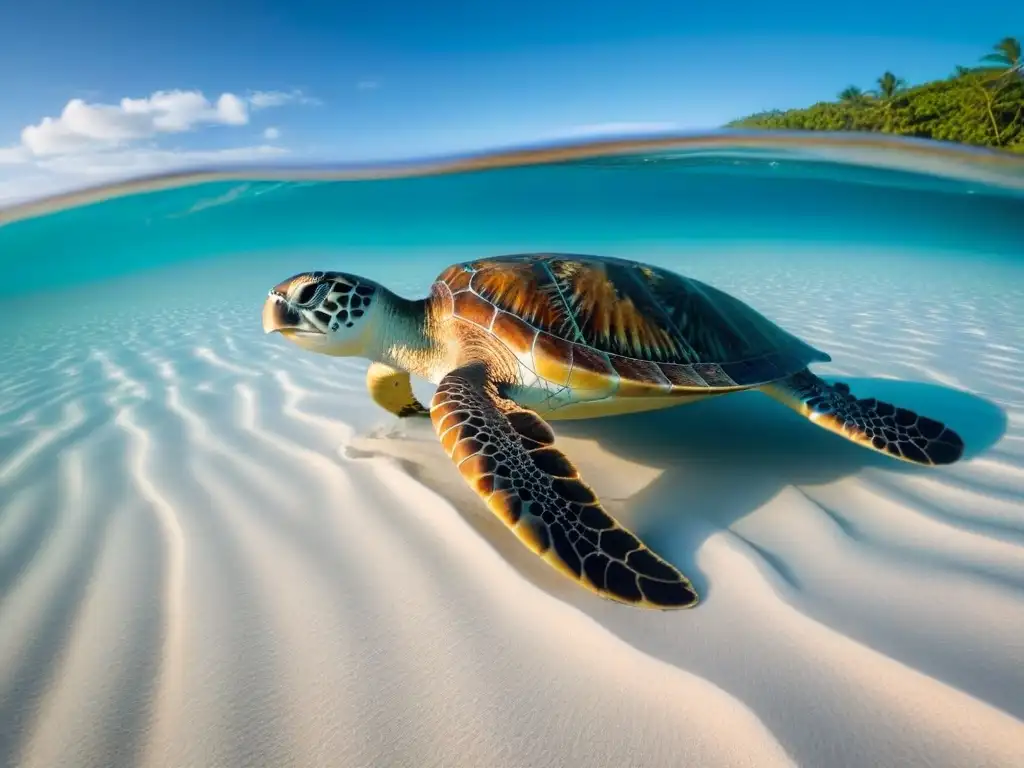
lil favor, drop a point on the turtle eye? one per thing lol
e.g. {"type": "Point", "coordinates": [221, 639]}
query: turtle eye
{"type": "Point", "coordinates": [307, 293]}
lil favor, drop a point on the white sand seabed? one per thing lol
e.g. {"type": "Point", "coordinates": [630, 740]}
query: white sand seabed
{"type": "Point", "coordinates": [214, 551]}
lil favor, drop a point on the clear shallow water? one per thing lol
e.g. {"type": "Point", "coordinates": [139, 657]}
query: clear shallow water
{"type": "Point", "coordinates": [160, 458]}
{"type": "Point", "coordinates": [705, 197]}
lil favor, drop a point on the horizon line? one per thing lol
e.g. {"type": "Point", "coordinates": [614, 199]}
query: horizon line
{"type": "Point", "coordinates": [954, 160]}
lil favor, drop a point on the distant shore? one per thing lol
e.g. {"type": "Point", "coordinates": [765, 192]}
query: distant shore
{"type": "Point", "coordinates": [981, 106]}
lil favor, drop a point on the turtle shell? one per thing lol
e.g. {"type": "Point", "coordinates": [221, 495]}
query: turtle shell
{"type": "Point", "coordinates": [596, 323]}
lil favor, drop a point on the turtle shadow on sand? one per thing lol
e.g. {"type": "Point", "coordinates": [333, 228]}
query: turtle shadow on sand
{"type": "Point", "coordinates": [696, 469]}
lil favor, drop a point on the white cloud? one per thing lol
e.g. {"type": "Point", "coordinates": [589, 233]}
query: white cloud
{"type": "Point", "coordinates": [83, 125]}
{"type": "Point", "coordinates": [93, 142]}
{"type": "Point", "coordinates": [368, 85]}
{"type": "Point", "coordinates": [232, 110]}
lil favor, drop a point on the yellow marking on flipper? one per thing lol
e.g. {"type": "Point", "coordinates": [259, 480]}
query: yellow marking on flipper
{"type": "Point", "coordinates": [465, 448]}
{"type": "Point", "coordinates": [534, 535]}
{"type": "Point", "coordinates": [391, 389]}
{"type": "Point", "coordinates": [451, 437]}
{"type": "Point", "coordinates": [504, 504]}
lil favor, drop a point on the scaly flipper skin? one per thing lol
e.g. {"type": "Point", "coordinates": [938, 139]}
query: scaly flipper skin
{"type": "Point", "coordinates": [871, 423]}
{"type": "Point", "coordinates": [391, 389]}
{"type": "Point", "coordinates": [506, 454]}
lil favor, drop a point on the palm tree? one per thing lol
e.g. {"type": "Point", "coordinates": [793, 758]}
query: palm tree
{"type": "Point", "coordinates": [1007, 56]}
{"type": "Point", "coordinates": [852, 95]}
{"type": "Point", "coordinates": [889, 85]}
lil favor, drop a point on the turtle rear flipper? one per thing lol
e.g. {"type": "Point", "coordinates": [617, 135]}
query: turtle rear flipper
{"type": "Point", "coordinates": [506, 454]}
{"type": "Point", "coordinates": [874, 424]}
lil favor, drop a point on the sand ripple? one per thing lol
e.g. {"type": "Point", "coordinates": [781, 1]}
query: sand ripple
{"type": "Point", "coordinates": [215, 551]}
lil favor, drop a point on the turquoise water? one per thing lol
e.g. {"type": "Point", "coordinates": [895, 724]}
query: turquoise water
{"type": "Point", "coordinates": [732, 197]}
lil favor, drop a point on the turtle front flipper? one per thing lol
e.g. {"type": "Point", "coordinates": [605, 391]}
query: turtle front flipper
{"type": "Point", "coordinates": [882, 427]}
{"type": "Point", "coordinates": [506, 453]}
{"type": "Point", "coordinates": [391, 389]}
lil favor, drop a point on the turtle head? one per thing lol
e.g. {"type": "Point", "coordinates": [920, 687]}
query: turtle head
{"type": "Point", "coordinates": [332, 313]}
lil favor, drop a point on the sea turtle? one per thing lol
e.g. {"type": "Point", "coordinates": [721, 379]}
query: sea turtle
{"type": "Point", "coordinates": [512, 341]}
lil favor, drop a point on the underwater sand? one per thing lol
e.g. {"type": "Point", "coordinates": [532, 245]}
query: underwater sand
{"type": "Point", "coordinates": [216, 551]}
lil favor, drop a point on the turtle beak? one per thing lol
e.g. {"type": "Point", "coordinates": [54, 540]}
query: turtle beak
{"type": "Point", "coordinates": [279, 315]}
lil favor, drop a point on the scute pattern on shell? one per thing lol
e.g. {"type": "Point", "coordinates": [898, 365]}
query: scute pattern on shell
{"type": "Point", "coordinates": [624, 320]}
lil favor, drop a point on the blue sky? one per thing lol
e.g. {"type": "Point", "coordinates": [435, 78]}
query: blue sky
{"type": "Point", "coordinates": [363, 81]}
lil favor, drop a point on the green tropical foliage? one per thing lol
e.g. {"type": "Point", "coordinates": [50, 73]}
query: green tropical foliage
{"type": "Point", "coordinates": [1006, 57]}
{"type": "Point", "coordinates": [889, 85]}
{"type": "Point", "coordinates": [852, 95]}
{"type": "Point", "coordinates": [982, 105]}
